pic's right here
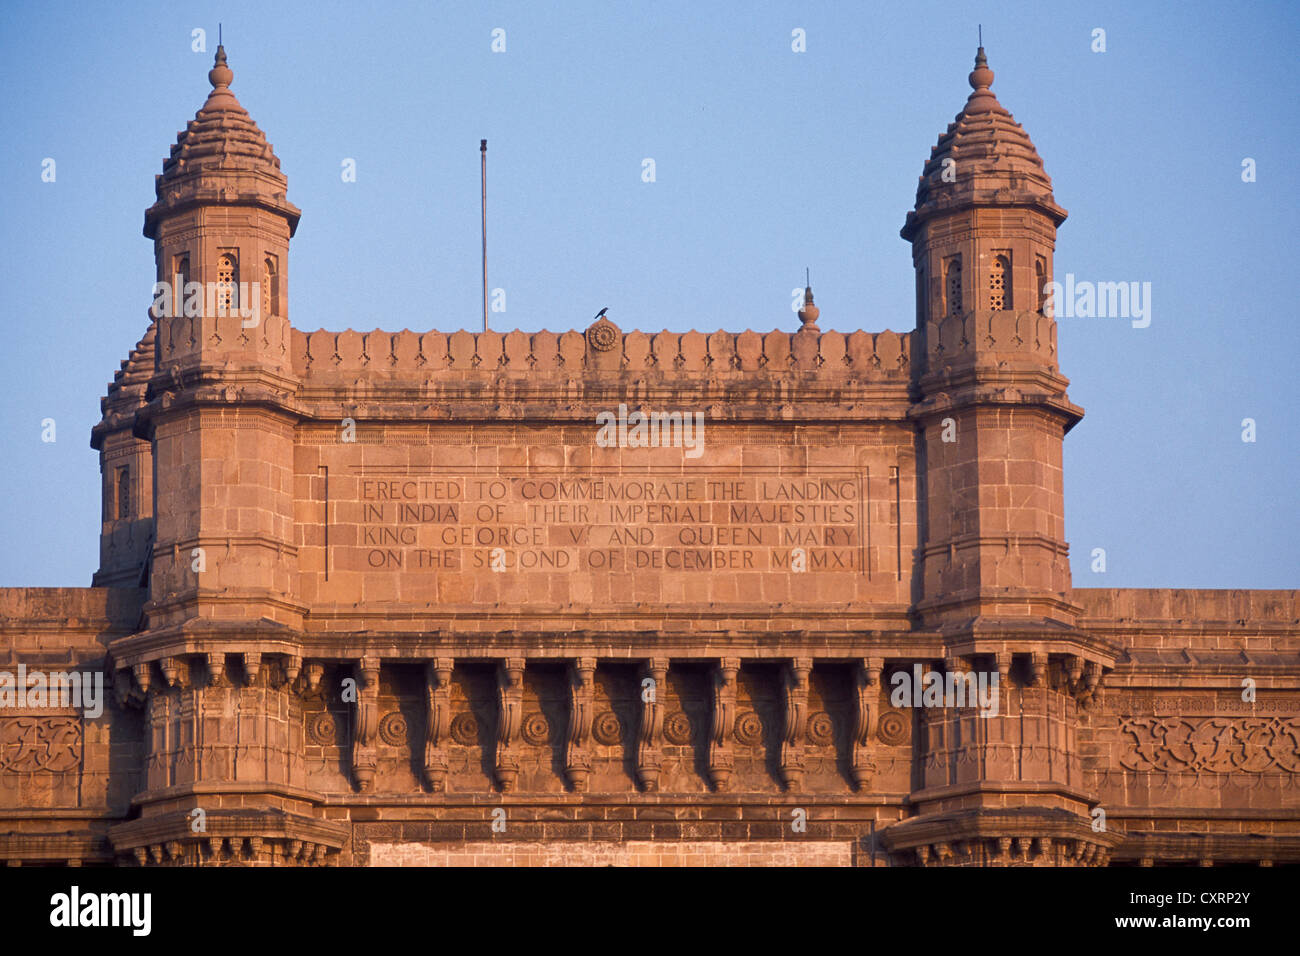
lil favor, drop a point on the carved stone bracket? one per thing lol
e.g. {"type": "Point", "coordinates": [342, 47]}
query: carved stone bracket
{"type": "Point", "coordinates": [174, 670]}
{"type": "Point", "coordinates": [722, 759]}
{"type": "Point", "coordinates": [1013, 851]}
{"type": "Point", "coordinates": [1037, 669]}
{"type": "Point", "coordinates": [1002, 661]}
{"type": "Point", "coordinates": [314, 671]}
{"type": "Point", "coordinates": [1072, 674]}
{"type": "Point", "coordinates": [1090, 694]}
{"type": "Point", "coordinates": [649, 756]}
{"type": "Point", "coordinates": [510, 705]}
{"type": "Point", "coordinates": [365, 757]}
{"type": "Point", "coordinates": [795, 685]}
{"type": "Point", "coordinates": [866, 685]}
{"type": "Point", "coordinates": [438, 722]}
{"type": "Point", "coordinates": [582, 692]}
{"type": "Point", "coordinates": [253, 667]}
{"type": "Point", "coordinates": [216, 668]}
{"type": "Point", "coordinates": [143, 673]}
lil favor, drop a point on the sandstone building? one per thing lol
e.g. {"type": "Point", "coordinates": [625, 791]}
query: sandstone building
{"type": "Point", "coordinates": [384, 598]}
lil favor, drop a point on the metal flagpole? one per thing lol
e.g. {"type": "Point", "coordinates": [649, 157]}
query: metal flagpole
{"type": "Point", "coordinates": [483, 152]}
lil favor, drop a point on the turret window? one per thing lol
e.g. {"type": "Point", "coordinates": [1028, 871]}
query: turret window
{"type": "Point", "coordinates": [180, 267]}
{"type": "Point", "coordinates": [1000, 283]}
{"type": "Point", "coordinates": [952, 286]}
{"type": "Point", "coordinates": [227, 282]}
{"type": "Point", "coordinates": [270, 287]}
{"type": "Point", "coordinates": [123, 493]}
{"type": "Point", "coordinates": [1040, 282]}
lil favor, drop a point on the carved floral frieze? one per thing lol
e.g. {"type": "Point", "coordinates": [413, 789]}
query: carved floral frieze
{"type": "Point", "coordinates": [1211, 744]}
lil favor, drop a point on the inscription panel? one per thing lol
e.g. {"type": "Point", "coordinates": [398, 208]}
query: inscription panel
{"type": "Point", "coordinates": [555, 534]}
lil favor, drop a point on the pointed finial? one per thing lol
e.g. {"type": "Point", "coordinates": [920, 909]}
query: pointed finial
{"type": "Point", "coordinates": [982, 99]}
{"type": "Point", "coordinates": [981, 78]}
{"type": "Point", "coordinates": [220, 75]}
{"type": "Point", "coordinates": [808, 314]}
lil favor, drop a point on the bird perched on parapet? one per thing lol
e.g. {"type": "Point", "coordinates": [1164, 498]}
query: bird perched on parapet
{"type": "Point", "coordinates": [601, 313]}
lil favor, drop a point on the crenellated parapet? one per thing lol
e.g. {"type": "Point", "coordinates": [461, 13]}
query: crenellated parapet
{"type": "Point", "coordinates": [881, 356]}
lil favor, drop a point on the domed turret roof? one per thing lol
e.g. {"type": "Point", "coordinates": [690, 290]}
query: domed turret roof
{"type": "Point", "coordinates": [993, 161]}
{"type": "Point", "coordinates": [126, 392]}
{"type": "Point", "coordinates": [220, 158]}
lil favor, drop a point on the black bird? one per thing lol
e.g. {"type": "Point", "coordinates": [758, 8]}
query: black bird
{"type": "Point", "coordinates": [602, 312]}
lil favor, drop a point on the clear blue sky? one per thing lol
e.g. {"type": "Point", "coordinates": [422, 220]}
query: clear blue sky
{"type": "Point", "coordinates": [767, 161]}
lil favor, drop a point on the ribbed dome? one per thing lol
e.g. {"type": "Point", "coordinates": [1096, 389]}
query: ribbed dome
{"type": "Point", "coordinates": [994, 162]}
{"type": "Point", "coordinates": [221, 157]}
{"type": "Point", "coordinates": [126, 392]}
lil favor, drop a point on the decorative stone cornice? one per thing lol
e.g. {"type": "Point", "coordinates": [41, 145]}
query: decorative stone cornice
{"type": "Point", "coordinates": [999, 838]}
{"type": "Point", "coordinates": [264, 836]}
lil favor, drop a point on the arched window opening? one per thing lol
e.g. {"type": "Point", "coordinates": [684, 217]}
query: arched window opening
{"type": "Point", "coordinates": [123, 493]}
{"type": "Point", "coordinates": [1040, 282]}
{"type": "Point", "coordinates": [1000, 283]}
{"type": "Point", "coordinates": [180, 267]}
{"type": "Point", "coordinates": [227, 283]}
{"type": "Point", "coordinates": [270, 287]}
{"type": "Point", "coordinates": [952, 286]}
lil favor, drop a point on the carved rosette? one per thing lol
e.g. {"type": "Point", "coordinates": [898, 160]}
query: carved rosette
{"type": "Point", "coordinates": [535, 729]}
{"type": "Point", "coordinates": [795, 684]}
{"type": "Point", "coordinates": [649, 753]}
{"type": "Point", "coordinates": [365, 757]}
{"type": "Point", "coordinates": [510, 707]}
{"type": "Point", "coordinates": [582, 692]}
{"type": "Point", "coordinates": [722, 759]}
{"type": "Point", "coordinates": [437, 723]}
{"type": "Point", "coordinates": [465, 729]}
{"type": "Point", "coordinates": [602, 335]}
{"type": "Point", "coordinates": [866, 682]}
{"type": "Point", "coordinates": [322, 730]}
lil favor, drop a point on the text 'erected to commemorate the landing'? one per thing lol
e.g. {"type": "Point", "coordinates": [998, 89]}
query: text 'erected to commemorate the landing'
{"type": "Point", "coordinates": [456, 523]}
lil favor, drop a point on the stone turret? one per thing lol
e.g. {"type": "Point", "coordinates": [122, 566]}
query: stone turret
{"type": "Point", "coordinates": [216, 413]}
{"type": "Point", "coordinates": [217, 662]}
{"type": "Point", "coordinates": [993, 408]}
{"type": "Point", "coordinates": [993, 579]}
{"type": "Point", "coordinates": [126, 467]}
